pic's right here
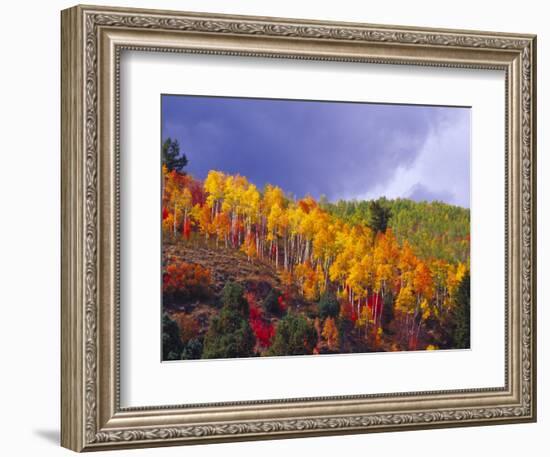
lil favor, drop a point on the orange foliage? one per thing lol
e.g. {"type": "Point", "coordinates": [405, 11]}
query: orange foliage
{"type": "Point", "coordinates": [182, 280]}
{"type": "Point", "coordinates": [330, 334]}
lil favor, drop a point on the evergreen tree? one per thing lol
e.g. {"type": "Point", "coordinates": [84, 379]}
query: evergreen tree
{"type": "Point", "coordinates": [379, 216]}
{"type": "Point", "coordinates": [192, 350]}
{"type": "Point", "coordinates": [388, 311]}
{"type": "Point", "coordinates": [171, 156]}
{"type": "Point", "coordinates": [233, 297]}
{"type": "Point", "coordinates": [271, 302]}
{"type": "Point", "coordinates": [345, 329]}
{"type": "Point", "coordinates": [461, 332]}
{"type": "Point", "coordinates": [229, 334]}
{"type": "Point", "coordinates": [328, 305]}
{"type": "Point", "coordinates": [171, 342]}
{"type": "Point", "coordinates": [295, 335]}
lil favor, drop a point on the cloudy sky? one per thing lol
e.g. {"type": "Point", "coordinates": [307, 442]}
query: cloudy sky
{"type": "Point", "coordinates": [341, 150]}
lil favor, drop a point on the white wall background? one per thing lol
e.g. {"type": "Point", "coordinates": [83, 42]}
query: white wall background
{"type": "Point", "coordinates": [29, 232]}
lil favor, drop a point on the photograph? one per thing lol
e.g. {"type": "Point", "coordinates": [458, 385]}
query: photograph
{"type": "Point", "coordinates": [308, 227]}
{"type": "Point", "coordinates": [280, 228]}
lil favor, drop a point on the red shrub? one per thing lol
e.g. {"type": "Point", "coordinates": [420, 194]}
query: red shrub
{"type": "Point", "coordinates": [283, 302]}
{"type": "Point", "coordinates": [255, 313]}
{"type": "Point", "coordinates": [264, 331]}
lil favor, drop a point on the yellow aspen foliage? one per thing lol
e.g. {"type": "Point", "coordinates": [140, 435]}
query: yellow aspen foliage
{"type": "Point", "coordinates": [251, 204]}
{"type": "Point", "coordinates": [273, 195]}
{"type": "Point", "coordinates": [460, 272]}
{"type": "Point", "coordinates": [307, 279]}
{"type": "Point", "coordinates": [273, 220]}
{"type": "Point", "coordinates": [385, 258]}
{"type": "Point", "coordinates": [363, 318]}
{"type": "Point", "coordinates": [214, 185]}
{"type": "Point", "coordinates": [249, 247]}
{"type": "Point", "coordinates": [320, 279]}
{"type": "Point", "coordinates": [425, 309]}
{"type": "Point", "coordinates": [203, 217]}
{"type": "Point", "coordinates": [234, 193]}
{"type": "Point", "coordinates": [287, 278]}
{"type": "Point", "coordinates": [405, 300]}
{"type": "Point", "coordinates": [168, 223]}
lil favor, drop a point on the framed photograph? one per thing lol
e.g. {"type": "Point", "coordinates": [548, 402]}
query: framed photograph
{"type": "Point", "coordinates": [276, 228]}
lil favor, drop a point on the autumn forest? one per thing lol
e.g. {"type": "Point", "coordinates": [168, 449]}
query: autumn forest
{"type": "Point", "coordinates": [253, 272]}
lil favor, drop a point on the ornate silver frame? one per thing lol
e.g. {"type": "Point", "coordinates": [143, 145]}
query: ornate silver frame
{"type": "Point", "coordinates": [92, 40]}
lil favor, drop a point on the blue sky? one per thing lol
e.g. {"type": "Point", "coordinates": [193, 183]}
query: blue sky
{"type": "Point", "coordinates": [340, 150]}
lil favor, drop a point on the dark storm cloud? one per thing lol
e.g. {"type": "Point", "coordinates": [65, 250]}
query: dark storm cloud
{"type": "Point", "coordinates": [341, 150]}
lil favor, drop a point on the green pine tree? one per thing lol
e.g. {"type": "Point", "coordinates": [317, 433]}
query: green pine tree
{"type": "Point", "coordinates": [461, 334]}
{"type": "Point", "coordinates": [172, 156]}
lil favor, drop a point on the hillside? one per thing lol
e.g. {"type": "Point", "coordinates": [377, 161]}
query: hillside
{"type": "Point", "coordinates": [255, 273]}
{"type": "Point", "coordinates": [224, 265]}
{"type": "Point", "coordinates": [258, 279]}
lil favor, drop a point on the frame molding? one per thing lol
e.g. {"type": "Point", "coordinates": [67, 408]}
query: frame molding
{"type": "Point", "coordinates": [92, 40]}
